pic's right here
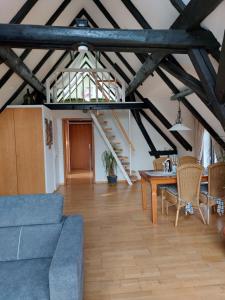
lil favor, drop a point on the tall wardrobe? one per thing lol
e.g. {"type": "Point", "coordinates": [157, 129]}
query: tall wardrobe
{"type": "Point", "coordinates": [26, 161]}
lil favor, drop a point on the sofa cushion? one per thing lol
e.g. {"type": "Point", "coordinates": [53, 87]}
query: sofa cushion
{"type": "Point", "coordinates": [25, 242]}
{"type": "Point", "coordinates": [25, 279]}
{"type": "Point", "coordinates": [30, 209]}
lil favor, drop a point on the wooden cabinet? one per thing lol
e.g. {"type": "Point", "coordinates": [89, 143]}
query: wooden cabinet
{"type": "Point", "coordinates": [22, 166]}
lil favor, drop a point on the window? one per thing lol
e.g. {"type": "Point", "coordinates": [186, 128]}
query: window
{"type": "Point", "coordinates": [208, 153]}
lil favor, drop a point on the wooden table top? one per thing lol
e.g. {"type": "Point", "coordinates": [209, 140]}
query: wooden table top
{"type": "Point", "coordinates": [151, 174]}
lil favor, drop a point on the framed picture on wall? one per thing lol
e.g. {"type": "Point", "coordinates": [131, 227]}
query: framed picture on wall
{"type": "Point", "coordinates": [49, 133]}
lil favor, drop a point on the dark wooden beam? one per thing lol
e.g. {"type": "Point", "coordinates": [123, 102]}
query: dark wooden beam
{"type": "Point", "coordinates": [194, 13]}
{"type": "Point", "coordinates": [127, 40]}
{"type": "Point", "coordinates": [170, 84]}
{"type": "Point", "coordinates": [183, 22]}
{"type": "Point", "coordinates": [163, 153]}
{"type": "Point", "coordinates": [193, 111]}
{"type": "Point", "coordinates": [207, 76]}
{"type": "Point", "coordinates": [220, 79]}
{"type": "Point", "coordinates": [24, 10]}
{"type": "Point", "coordinates": [179, 5]}
{"type": "Point", "coordinates": [96, 106]}
{"type": "Point", "coordinates": [137, 117]}
{"type": "Point", "coordinates": [25, 53]}
{"type": "Point", "coordinates": [17, 65]}
{"type": "Point", "coordinates": [156, 127]}
{"type": "Point", "coordinates": [187, 79]}
{"type": "Point", "coordinates": [38, 66]}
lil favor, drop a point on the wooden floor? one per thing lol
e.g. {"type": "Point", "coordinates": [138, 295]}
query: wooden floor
{"type": "Point", "coordinates": [127, 258]}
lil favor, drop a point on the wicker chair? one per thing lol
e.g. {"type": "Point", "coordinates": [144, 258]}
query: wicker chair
{"type": "Point", "coordinates": [215, 189]}
{"type": "Point", "coordinates": [187, 160]}
{"type": "Point", "coordinates": [187, 191]}
{"type": "Point", "coordinates": [158, 163]}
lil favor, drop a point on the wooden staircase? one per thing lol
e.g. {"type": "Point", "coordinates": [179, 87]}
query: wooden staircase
{"type": "Point", "coordinates": [115, 147]}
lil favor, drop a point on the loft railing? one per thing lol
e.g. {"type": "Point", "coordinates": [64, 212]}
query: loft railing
{"type": "Point", "coordinates": [84, 85]}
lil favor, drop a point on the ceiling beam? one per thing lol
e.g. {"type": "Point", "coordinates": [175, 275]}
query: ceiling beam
{"type": "Point", "coordinates": [38, 67]}
{"type": "Point", "coordinates": [179, 5]}
{"type": "Point", "coordinates": [23, 11]}
{"type": "Point", "coordinates": [182, 22]}
{"type": "Point", "coordinates": [17, 65]}
{"type": "Point", "coordinates": [26, 52]}
{"type": "Point", "coordinates": [96, 106]}
{"type": "Point", "coordinates": [207, 76]}
{"type": "Point", "coordinates": [220, 79]}
{"type": "Point", "coordinates": [194, 13]}
{"type": "Point", "coordinates": [128, 40]}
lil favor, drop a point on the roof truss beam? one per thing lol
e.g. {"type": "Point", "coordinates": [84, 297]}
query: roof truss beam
{"type": "Point", "coordinates": [220, 80]}
{"type": "Point", "coordinates": [113, 40]}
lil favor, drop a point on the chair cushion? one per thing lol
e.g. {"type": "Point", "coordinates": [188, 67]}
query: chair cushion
{"type": "Point", "coordinates": [25, 242]}
{"type": "Point", "coordinates": [25, 279]}
{"type": "Point", "coordinates": [172, 189]}
{"type": "Point", "coordinates": [30, 209]}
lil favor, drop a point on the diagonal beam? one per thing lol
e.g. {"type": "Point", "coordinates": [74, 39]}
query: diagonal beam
{"type": "Point", "coordinates": [207, 75]}
{"type": "Point", "coordinates": [137, 117]}
{"type": "Point", "coordinates": [179, 5]}
{"type": "Point", "coordinates": [38, 67]}
{"type": "Point", "coordinates": [17, 65]}
{"type": "Point", "coordinates": [220, 80]}
{"type": "Point", "coordinates": [194, 112]}
{"type": "Point", "coordinates": [194, 13]}
{"type": "Point", "coordinates": [25, 53]}
{"type": "Point", "coordinates": [151, 107]}
{"type": "Point", "coordinates": [183, 22]}
{"type": "Point", "coordinates": [24, 10]}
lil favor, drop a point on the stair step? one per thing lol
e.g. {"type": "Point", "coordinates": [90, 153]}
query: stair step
{"type": "Point", "coordinates": [103, 122]}
{"type": "Point", "coordinates": [118, 150]}
{"type": "Point", "coordinates": [110, 137]}
{"type": "Point", "coordinates": [125, 163]}
{"type": "Point", "coordinates": [107, 129]}
{"type": "Point", "coordinates": [122, 157]}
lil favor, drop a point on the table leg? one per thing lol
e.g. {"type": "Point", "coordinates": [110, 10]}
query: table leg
{"type": "Point", "coordinates": [154, 202]}
{"type": "Point", "coordinates": [144, 193]}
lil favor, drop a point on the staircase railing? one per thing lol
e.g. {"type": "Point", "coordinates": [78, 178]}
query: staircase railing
{"type": "Point", "coordinates": [101, 131]}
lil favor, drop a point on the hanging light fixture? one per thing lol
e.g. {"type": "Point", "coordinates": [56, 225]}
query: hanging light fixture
{"type": "Point", "coordinates": [179, 126]}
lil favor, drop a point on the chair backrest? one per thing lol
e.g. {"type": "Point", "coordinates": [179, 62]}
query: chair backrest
{"type": "Point", "coordinates": [30, 225]}
{"type": "Point", "coordinates": [158, 163]}
{"type": "Point", "coordinates": [188, 183]}
{"type": "Point", "coordinates": [187, 160]}
{"type": "Point", "coordinates": [216, 179]}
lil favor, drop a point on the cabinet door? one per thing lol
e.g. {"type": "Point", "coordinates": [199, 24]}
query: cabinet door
{"type": "Point", "coordinates": [29, 150]}
{"type": "Point", "coordinates": [8, 176]}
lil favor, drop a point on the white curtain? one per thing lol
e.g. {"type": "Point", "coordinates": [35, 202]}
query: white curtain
{"type": "Point", "coordinates": [219, 151]}
{"type": "Point", "coordinates": [199, 132]}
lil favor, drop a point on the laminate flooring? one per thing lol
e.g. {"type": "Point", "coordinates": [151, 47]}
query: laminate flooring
{"type": "Point", "coordinates": [128, 258]}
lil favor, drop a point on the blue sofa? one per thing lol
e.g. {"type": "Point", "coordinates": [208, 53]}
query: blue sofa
{"type": "Point", "coordinates": [41, 252]}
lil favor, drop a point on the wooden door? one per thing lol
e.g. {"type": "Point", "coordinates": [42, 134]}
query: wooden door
{"type": "Point", "coordinates": [80, 136]}
{"type": "Point", "coordinates": [29, 150]}
{"type": "Point", "coordinates": [8, 173]}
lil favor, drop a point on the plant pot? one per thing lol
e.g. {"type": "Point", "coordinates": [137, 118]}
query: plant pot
{"type": "Point", "coordinates": [112, 179]}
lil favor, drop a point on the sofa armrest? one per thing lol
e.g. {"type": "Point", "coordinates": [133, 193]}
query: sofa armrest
{"type": "Point", "coordinates": [66, 269]}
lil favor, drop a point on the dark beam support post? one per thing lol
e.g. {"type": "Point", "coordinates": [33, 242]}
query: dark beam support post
{"type": "Point", "coordinates": [137, 117]}
{"type": "Point", "coordinates": [207, 75]}
{"type": "Point", "coordinates": [220, 80]}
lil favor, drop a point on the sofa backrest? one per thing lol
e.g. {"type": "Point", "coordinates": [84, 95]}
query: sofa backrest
{"type": "Point", "coordinates": [30, 225]}
{"type": "Point", "coordinates": [30, 209]}
{"type": "Point", "coordinates": [26, 242]}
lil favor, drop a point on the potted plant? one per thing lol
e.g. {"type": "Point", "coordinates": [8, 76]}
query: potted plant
{"type": "Point", "coordinates": [110, 166]}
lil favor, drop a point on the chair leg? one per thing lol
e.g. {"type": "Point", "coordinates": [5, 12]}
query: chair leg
{"type": "Point", "coordinates": [167, 208]}
{"type": "Point", "coordinates": [162, 201]}
{"type": "Point", "coordinates": [177, 216]}
{"type": "Point", "coordinates": [208, 214]}
{"type": "Point", "coordinates": [203, 219]}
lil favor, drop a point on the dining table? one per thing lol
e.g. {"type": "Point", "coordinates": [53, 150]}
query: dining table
{"type": "Point", "coordinates": [156, 178]}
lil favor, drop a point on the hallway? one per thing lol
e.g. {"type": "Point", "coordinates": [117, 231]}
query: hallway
{"type": "Point", "coordinates": [127, 258]}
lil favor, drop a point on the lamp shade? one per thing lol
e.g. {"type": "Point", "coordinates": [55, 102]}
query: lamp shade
{"type": "Point", "coordinates": [179, 127]}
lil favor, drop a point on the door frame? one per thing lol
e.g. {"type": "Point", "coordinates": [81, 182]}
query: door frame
{"type": "Point", "coordinates": [66, 145]}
